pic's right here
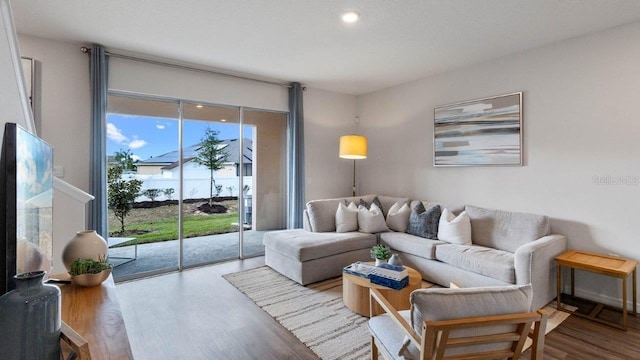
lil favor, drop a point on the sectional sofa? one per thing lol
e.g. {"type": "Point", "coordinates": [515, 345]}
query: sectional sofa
{"type": "Point", "coordinates": [506, 247]}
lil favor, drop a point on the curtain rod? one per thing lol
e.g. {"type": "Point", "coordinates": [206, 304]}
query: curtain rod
{"type": "Point", "coordinates": [87, 50]}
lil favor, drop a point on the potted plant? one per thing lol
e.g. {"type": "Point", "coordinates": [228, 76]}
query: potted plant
{"type": "Point", "coordinates": [89, 272]}
{"type": "Point", "coordinates": [380, 253]}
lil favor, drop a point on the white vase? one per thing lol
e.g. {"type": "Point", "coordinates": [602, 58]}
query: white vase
{"type": "Point", "coordinates": [86, 244]}
{"type": "Point", "coordinates": [380, 262]}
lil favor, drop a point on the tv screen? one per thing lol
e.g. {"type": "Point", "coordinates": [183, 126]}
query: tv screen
{"type": "Point", "coordinates": [26, 195]}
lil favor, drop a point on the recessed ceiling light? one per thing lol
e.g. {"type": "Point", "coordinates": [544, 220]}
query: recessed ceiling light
{"type": "Point", "coordinates": [199, 106]}
{"type": "Point", "coordinates": [223, 120]}
{"type": "Point", "coordinates": [350, 17]}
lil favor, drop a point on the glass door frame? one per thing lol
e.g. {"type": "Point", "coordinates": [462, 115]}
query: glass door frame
{"type": "Point", "coordinates": [241, 207]}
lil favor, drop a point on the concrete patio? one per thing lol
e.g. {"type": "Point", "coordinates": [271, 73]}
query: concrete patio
{"type": "Point", "coordinates": [163, 255]}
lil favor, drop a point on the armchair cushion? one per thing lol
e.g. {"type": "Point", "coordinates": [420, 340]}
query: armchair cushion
{"type": "Point", "coordinates": [386, 330]}
{"type": "Point", "coordinates": [447, 304]}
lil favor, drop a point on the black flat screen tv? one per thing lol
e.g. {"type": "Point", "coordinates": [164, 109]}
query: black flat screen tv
{"type": "Point", "coordinates": [26, 198]}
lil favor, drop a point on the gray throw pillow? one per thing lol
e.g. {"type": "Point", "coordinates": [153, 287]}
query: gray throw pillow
{"type": "Point", "coordinates": [424, 222]}
{"type": "Point", "coordinates": [368, 205]}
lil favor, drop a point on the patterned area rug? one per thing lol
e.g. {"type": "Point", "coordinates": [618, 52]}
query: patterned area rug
{"type": "Point", "coordinates": [316, 315]}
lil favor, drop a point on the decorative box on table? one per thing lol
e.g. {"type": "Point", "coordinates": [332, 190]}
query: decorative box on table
{"type": "Point", "coordinates": [395, 277]}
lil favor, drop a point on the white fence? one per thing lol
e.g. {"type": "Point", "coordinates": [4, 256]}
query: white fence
{"type": "Point", "coordinates": [194, 188]}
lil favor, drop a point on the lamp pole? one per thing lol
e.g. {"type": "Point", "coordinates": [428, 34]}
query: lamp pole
{"type": "Point", "coordinates": [354, 177]}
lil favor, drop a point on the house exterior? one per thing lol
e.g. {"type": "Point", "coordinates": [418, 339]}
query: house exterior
{"type": "Point", "coordinates": [167, 165]}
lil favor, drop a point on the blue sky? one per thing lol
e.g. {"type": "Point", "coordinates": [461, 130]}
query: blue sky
{"type": "Point", "coordinates": [152, 136]}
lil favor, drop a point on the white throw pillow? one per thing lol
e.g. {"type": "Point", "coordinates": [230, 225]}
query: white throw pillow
{"type": "Point", "coordinates": [371, 221]}
{"type": "Point", "coordinates": [398, 217]}
{"type": "Point", "coordinates": [455, 229]}
{"type": "Point", "coordinates": [347, 218]}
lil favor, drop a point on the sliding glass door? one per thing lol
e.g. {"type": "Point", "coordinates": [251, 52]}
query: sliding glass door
{"type": "Point", "coordinates": [142, 141]}
{"type": "Point", "coordinates": [211, 156]}
{"type": "Point", "coordinates": [267, 196]}
{"type": "Point", "coordinates": [197, 183]}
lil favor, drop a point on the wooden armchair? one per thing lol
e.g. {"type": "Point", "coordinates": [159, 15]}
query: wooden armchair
{"type": "Point", "coordinates": [72, 345]}
{"type": "Point", "coordinates": [466, 337]}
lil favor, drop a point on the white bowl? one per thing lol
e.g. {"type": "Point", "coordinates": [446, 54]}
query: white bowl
{"type": "Point", "coordinates": [91, 279]}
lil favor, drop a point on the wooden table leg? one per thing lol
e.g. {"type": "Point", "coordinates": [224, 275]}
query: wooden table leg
{"type": "Point", "coordinates": [573, 284]}
{"type": "Point", "coordinates": [624, 302]}
{"type": "Point", "coordinates": [633, 288]}
{"type": "Point", "coordinates": [558, 286]}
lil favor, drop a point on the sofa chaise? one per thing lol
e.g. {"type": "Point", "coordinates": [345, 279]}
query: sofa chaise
{"type": "Point", "coordinates": [506, 248]}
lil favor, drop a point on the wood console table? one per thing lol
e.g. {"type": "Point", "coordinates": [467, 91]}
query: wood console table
{"type": "Point", "coordinates": [600, 264]}
{"type": "Point", "coordinates": [94, 312]}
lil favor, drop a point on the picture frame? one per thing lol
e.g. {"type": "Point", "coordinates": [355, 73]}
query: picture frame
{"type": "Point", "coordinates": [481, 132]}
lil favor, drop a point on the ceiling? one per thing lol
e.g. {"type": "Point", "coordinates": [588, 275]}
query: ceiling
{"type": "Point", "coordinates": [396, 41]}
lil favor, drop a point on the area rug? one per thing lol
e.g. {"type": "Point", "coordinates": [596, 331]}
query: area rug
{"type": "Point", "coordinates": [316, 315]}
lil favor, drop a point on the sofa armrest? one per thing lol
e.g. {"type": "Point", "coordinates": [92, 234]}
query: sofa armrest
{"type": "Point", "coordinates": [306, 223]}
{"type": "Point", "coordinates": [535, 263]}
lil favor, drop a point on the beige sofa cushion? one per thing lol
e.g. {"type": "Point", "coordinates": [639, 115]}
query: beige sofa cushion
{"type": "Point", "coordinates": [398, 217]}
{"type": "Point", "coordinates": [371, 220]}
{"type": "Point", "coordinates": [347, 218]}
{"type": "Point", "coordinates": [497, 264]}
{"type": "Point", "coordinates": [304, 245]}
{"type": "Point", "coordinates": [505, 230]}
{"type": "Point", "coordinates": [322, 213]}
{"type": "Point", "coordinates": [410, 244]}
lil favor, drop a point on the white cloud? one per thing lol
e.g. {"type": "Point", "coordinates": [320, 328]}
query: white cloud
{"type": "Point", "coordinates": [136, 157]}
{"type": "Point", "coordinates": [137, 143]}
{"type": "Point", "coordinates": [160, 126]}
{"type": "Point", "coordinates": [114, 134]}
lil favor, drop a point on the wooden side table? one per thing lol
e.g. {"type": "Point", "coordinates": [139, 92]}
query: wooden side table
{"type": "Point", "coordinates": [600, 264]}
{"type": "Point", "coordinates": [355, 292]}
{"type": "Point", "coordinates": [94, 313]}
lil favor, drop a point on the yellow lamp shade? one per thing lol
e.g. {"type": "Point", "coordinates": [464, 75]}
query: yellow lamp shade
{"type": "Point", "coordinates": [353, 147]}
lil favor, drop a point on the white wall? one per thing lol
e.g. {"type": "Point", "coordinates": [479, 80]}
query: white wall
{"type": "Point", "coordinates": [64, 104]}
{"type": "Point", "coordinates": [65, 112]}
{"type": "Point", "coordinates": [327, 116]}
{"type": "Point", "coordinates": [13, 96]}
{"type": "Point", "coordinates": [580, 123]}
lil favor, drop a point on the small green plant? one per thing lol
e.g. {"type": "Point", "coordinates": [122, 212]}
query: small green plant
{"type": "Point", "coordinates": [89, 266]}
{"type": "Point", "coordinates": [168, 193]}
{"type": "Point", "coordinates": [380, 252]}
{"type": "Point", "coordinates": [152, 194]}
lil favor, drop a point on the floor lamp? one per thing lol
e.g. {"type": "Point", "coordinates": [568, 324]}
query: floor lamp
{"type": "Point", "coordinates": [353, 147]}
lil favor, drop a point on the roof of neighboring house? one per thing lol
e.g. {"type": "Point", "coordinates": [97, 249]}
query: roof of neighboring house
{"type": "Point", "coordinates": [230, 146]}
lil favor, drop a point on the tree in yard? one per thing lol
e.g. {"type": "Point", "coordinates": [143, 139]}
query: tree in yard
{"type": "Point", "coordinates": [168, 193]}
{"type": "Point", "coordinates": [212, 156]}
{"type": "Point", "coordinates": [231, 188]}
{"type": "Point", "coordinates": [218, 190]}
{"type": "Point", "coordinates": [152, 194]}
{"type": "Point", "coordinates": [121, 193]}
{"type": "Point", "coordinates": [124, 159]}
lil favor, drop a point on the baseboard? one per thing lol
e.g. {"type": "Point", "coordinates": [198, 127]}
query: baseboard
{"type": "Point", "coordinates": [605, 299]}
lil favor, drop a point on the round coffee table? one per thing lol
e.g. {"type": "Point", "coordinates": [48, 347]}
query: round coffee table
{"type": "Point", "coordinates": [355, 292]}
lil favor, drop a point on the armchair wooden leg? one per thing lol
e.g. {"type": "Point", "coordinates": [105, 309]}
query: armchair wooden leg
{"type": "Point", "coordinates": [374, 350]}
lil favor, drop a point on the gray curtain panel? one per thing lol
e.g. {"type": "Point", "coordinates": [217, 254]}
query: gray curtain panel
{"type": "Point", "coordinates": [296, 157]}
{"type": "Point", "coordinates": [99, 74]}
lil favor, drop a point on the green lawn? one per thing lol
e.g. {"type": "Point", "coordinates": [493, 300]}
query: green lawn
{"type": "Point", "coordinates": [161, 224]}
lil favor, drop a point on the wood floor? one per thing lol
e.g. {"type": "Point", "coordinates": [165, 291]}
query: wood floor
{"type": "Point", "coordinates": [197, 314]}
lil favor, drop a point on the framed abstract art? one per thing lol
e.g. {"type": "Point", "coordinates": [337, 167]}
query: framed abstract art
{"type": "Point", "coordinates": [483, 132]}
